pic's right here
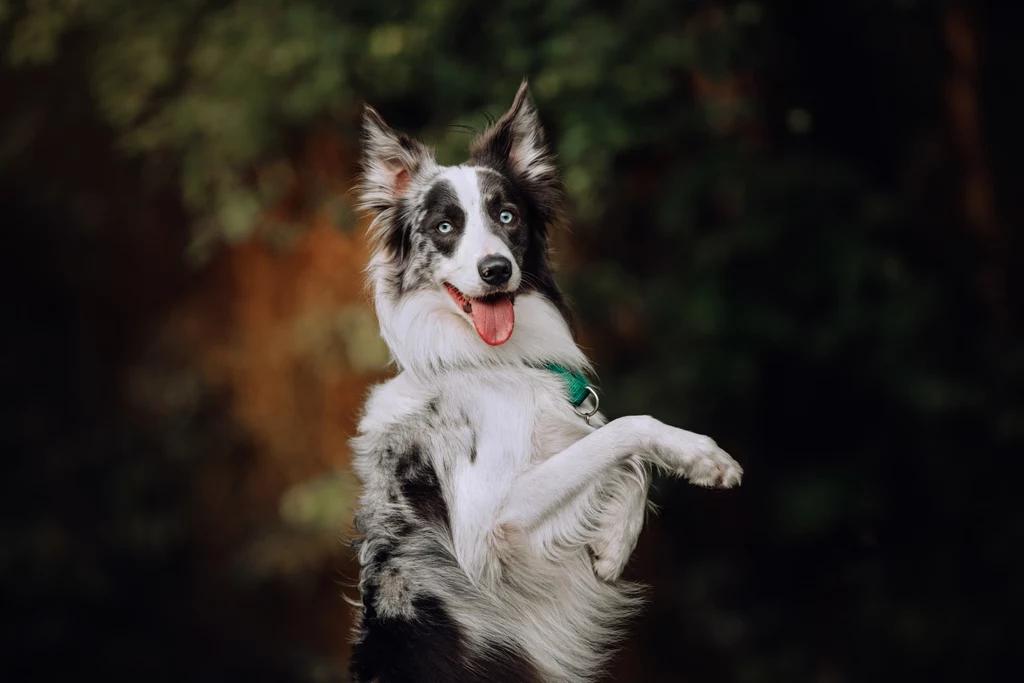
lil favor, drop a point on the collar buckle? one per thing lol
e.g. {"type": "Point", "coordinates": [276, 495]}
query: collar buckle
{"type": "Point", "coordinates": [589, 414]}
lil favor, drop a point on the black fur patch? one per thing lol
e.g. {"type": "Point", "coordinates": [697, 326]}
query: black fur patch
{"type": "Point", "coordinates": [500, 194]}
{"type": "Point", "coordinates": [441, 204]}
{"type": "Point", "coordinates": [398, 240]}
{"type": "Point", "coordinates": [429, 648]}
{"type": "Point", "coordinates": [421, 489]}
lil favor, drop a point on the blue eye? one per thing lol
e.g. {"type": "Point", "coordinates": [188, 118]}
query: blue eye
{"type": "Point", "coordinates": [505, 217]}
{"type": "Point", "coordinates": [445, 227]}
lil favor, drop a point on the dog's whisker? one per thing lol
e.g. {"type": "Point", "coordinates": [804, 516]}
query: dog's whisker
{"type": "Point", "coordinates": [462, 128]}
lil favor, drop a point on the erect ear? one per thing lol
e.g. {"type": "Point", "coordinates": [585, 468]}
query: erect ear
{"type": "Point", "coordinates": [390, 161]}
{"type": "Point", "coordinates": [517, 142]}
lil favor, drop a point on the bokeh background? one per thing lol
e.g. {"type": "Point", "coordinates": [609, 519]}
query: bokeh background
{"type": "Point", "coordinates": [796, 227]}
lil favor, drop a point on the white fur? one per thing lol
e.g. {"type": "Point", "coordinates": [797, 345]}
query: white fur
{"type": "Point", "coordinates": [427, 334]}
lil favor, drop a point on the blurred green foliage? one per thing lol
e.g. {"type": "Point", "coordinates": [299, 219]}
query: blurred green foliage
{"type": "Point", "coordinates": [216, 87]}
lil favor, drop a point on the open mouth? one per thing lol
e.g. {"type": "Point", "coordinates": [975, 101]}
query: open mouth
{"type": "Point", "coordinates": [493, 316]}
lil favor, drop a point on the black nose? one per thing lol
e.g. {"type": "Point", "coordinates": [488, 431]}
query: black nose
{"type": "Point", "coordinates": [495, 270]}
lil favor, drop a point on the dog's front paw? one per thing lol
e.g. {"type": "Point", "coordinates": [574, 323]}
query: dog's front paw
{"type": "Point", "coordinates": [714, 468]}
{"type": "Point", "coordinates": [705, 464]}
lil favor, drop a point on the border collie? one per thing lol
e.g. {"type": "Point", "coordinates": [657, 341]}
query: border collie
{"type": "Point", "coordinates": [498, 509]}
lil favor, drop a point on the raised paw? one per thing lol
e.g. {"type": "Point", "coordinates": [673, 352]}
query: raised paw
{"type": "Point", "coordinates": [714, 468]}
{"type": "Point", "coordinates": [699, 459]}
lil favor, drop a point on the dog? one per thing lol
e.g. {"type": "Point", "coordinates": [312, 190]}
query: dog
{"type": "Point", "coordinates": [498, 507]}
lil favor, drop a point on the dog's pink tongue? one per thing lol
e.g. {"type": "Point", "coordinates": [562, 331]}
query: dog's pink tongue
{"type": "Point", "coordinates": [494, 319]}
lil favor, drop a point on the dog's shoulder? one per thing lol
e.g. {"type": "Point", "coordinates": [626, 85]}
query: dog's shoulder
{"type": "Point", "coordinates": [394, 402]}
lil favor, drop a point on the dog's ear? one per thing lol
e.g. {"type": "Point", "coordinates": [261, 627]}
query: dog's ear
{"type": "Point", "coordinates": [390, 161]}
{"type": "Point", "coordinates": [516, 142]}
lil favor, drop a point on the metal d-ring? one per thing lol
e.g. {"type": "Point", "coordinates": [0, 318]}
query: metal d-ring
{"type": "Point", "coordinates": [597, 403]}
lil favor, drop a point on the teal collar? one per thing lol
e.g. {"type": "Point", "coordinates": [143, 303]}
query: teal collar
{"type": "Point", "coordinates": [576, 389]}
{"type": "Point", "coordinates": [576, 385]}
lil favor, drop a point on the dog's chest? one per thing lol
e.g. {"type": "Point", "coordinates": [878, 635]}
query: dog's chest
{"type": "Point", "coordinates": [505, 419]}
{"type": "Point", "coordinates": [519, 417]}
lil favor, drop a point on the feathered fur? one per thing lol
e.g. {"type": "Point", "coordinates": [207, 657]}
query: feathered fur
{"type": "Point", "coordinates": [494, 522]}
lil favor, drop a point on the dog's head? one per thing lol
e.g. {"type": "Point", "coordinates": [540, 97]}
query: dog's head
{"type": "Point", "coordinates": [468, 241]}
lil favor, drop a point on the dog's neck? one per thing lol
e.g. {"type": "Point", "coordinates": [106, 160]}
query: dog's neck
{"type": "Point", "coordinates": [426, 337]}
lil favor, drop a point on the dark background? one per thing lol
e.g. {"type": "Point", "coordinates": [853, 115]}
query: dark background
{"type": "Point", "coordinates": [795, 228]}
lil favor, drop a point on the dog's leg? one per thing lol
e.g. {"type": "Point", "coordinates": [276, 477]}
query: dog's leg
{"type": "Point", "coordinates": [622, 516]}
{"type": "Point", "coordinates": [556, 498]}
